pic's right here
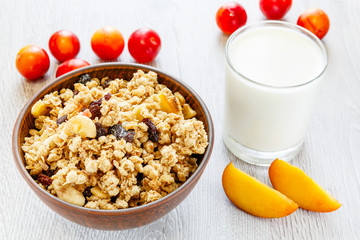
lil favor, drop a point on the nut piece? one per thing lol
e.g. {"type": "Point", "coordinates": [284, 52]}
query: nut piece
{"type": "Point", "coordinates": [39, 109]}
{"type": "Point", "coordinates": [99, 193]}
{"type": "Point", "coordinates": [80, 125]}
{"type": "Point", "coordinates": [71, 195]}
{"type": "Point", "coordinates": [188, 111]}
{"type": "Point", "coordinates": [169, 104]}
{"type": "Point", "coordinates": [180, 98]}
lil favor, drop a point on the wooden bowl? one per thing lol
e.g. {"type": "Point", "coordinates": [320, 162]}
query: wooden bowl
{"type": "Point", "coordinates": [122, 218]}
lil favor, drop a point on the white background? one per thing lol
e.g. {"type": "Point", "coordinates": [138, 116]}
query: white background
{"type": "Point", "coordinates": [193, 49]}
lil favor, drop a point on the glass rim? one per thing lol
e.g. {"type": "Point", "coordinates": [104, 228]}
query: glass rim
{"type": "Point", "coordinates": [287, 25]}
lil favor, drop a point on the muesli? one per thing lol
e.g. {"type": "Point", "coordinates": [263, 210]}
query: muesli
{"type": "Point", "coordinates": [113, 144]}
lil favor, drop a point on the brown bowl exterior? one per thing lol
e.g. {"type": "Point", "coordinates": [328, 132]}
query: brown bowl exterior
{"type": "Point", "coordinates": [123, 218]}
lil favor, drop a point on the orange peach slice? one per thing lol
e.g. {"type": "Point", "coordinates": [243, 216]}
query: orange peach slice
{"type": "Point", "coordinates": [253, 196]}
{"type": "Point", "coordinates": [298, 186]}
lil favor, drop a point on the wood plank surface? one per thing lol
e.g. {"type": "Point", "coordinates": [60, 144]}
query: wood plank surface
{"type": "Point", "coordinates": [193, 49]}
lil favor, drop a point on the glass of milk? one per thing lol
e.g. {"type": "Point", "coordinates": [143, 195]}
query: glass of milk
{"type": "Point", "coordinates": [273, 73]}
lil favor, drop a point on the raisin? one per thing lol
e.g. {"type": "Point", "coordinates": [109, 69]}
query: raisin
{"type": "Point", "coordinates": [106, 83]}
{"type": "Point", "coordinates": [62, 119]}
{"type": "Point", "coordinates": [95, 108]}
{"type": "Point", "coordinates": [152, 130]}
{"type": "Point", "coordinates": [119, 132]}
{"type": "Point", "coordinates": [44, 180]}
{"type": "Point", "coordinates": [100, 130]}
{"type": "Point", "coordinates": [107, 96]}
{"type": "Point", "coordinates": [83, 79]}
{"type": "Point", "coordinates": [87, 192]}
{"type": "Point", "coordinates": [97, 102]}
{"type": "Point", "coordinates": [129, 137]}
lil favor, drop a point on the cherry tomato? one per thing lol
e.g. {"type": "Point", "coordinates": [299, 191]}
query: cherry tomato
{"type": "Point", "coordinates": [32, 62]}
{"type": "Point", "coordinates": [275, 9]}
{"type": "Point", "coordinates": [230, 17]}
{"type": "Point", "coordinates": [316, 21]}
{"type": "Point", "coordinates": [70, 65]}
{"type": "Point", "coordinates": [64, 45]}
{"type": "Point", "coordinates": [107, 43]}
{"type": "Point", "coordinates": [144, 45]}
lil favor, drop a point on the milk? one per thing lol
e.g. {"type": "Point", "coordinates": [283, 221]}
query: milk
{"type": "Point", "coordinates": [272, 76]}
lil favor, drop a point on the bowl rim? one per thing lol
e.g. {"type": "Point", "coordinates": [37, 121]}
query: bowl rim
{"type": "Point", "coordinates": [63, 204]}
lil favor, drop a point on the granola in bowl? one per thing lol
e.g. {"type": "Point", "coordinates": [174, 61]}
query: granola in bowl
{"type": "Point", "coordinates": [113, 144]}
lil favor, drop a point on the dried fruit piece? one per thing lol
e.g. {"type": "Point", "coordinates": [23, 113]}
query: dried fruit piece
{"type": "Point", "coordinates": [152, 130]}
{"type": "Point", "coordinates": [83, 79]}
{"type": "Point", "coordinates": [107, 96]}
{"type": "Point", "coordinates": [61, 119]}
{"type": "Point", "coordinates": [97, 102]}
{"type": "Point", "coordinates": [39, 109]}
{"type": "Point", "coordinates": [100, 130]}
{"type": "Point", "coordinates": [87, 192]}
{"type": "Point", "coordinates": [80, 125]}
{"type": "Point", "coordinates": [188, 111]}
{"type": "Point", "coordinates": [95, 108]}
{"type": "Point", "coordinates": [86, 113]}
{"type": "Point", "coordinates": [169, 104]}
{"type": "Point", "coordinates": [130, 135]}
{"type": "Point", "coordinates": [44, 180]}
{"type": "Point", "coordinates": [106, 83]}
{"type": "Point", "coordinates": [119, 132]}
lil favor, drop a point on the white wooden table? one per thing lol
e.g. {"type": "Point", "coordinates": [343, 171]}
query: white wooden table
{"type": "Point", "coordinates": [193, 49]}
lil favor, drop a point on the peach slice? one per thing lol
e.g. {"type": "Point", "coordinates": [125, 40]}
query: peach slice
{"type": "Point", "coordinates": [298, 186]}
{"type": "Point", "coordinates": [253, 196]}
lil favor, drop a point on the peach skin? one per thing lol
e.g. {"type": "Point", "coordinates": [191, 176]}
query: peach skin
{"type": "Point", "coordinates": [295, 184]}
{"type": "Point", "coordinates": [253, 196]}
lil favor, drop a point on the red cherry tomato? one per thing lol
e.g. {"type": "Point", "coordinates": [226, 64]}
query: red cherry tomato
{"type": "Point", "coordinates": [144, 45]}
{"type": "Point", "coordinates": [107, 43]}
{"type": "Point", "coordinates": [64, 45]}
{"type": "Point", "coordinates": [70, 65]}
{"type": "Point", "coordinates": [275, 9]}
{"type": "Point", "coordinates": [230, 17]}
{"type": "Point", "coordinates": [32, 62]}
{"type": "Point", "coordinates": [316, 21]}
